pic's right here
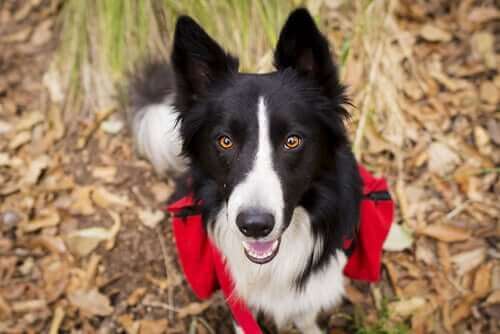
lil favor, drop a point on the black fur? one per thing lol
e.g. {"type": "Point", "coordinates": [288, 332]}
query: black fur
{"type": "Point", "coordinates": [304, 96]}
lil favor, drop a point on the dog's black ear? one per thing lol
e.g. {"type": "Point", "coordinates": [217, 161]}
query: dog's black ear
{"type": "Point", "coordinates": [198, 61]}
{"type": "Point", "coordinates": [301, 46]}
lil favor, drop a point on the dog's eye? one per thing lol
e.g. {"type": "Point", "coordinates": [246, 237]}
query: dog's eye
{"type": "Point", "coordinates": [225, 142]}
{"type": "Point", "coordinates": [292, 142]}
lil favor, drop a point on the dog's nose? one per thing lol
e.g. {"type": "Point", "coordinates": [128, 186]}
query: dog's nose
{"type": "Point", "coordinates": [255, 223]}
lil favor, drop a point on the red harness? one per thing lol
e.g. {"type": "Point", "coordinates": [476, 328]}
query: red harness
{"type": "Point", "coordinates": [206, 271]}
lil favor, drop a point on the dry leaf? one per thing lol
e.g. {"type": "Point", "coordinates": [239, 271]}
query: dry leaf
{"type": "Point", "coordinates": [488, 92]}
{"type": "Point", "coordinates": [82, 242]}
{"type": "Point", "coordinates": [81, 202]}
{"type": "Point", "coordinates": [405, 308]}
{"type": "Point", "coordinates": [105, 199]}
{"type": "Point", "coordinates": [151, 218]}
{"type": "Point", "coordinates": [467, 261]}
{"type": "Point", "coordinates": [112, 126]}
{"type": "Point", "coordinates": [128, 323]}
{"type": "Point", "coordinates": [29, 121]}
{"type": "Point", "coordinates": [91, 302]}
{"type": "Point", "coordinates": [35, 169]}
{"type": "Point", "coordinates": [105, 173]}
{"type": "Point", "coordinates": [482, 279]}
{"type": "Point", "coordinates": [494, 298]}
{"type": "Point", "coordinates": [52, 218]}
{"type": "Point", "coordinates": [153, 326]}
{"type": "Point", "coordinates": [442, 159]}
{"type": "Point", "coordinates": [445, 232]}
{"type": "Point", "coordinates": [483, 14]}
{"type": "Point", "coordinates": [20, 139]}
{"type": "Point", "coordinates": [434, 34]}
{"type": "Point", "coordinates": [193, 309]}
{"type": "Point", "coordinates": [136, 296]}
{"type": "Point", "coordinates": [29, 305]}
{"type": "Point", "coordinates": [398, 239]}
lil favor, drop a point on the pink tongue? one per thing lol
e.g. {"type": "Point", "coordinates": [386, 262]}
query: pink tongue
{"type": "Point", "coordinates": [261, 246]}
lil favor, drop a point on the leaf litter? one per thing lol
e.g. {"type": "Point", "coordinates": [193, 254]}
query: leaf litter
{"type": "Point", "coordinates": [80, 215]}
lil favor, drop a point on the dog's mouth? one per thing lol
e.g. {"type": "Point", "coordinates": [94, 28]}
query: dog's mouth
{"type": "Point", "coordinates": [261, 252]}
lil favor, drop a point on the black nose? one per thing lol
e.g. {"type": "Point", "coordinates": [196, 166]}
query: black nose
{"type": "Point", "coordinates": [255, 223]}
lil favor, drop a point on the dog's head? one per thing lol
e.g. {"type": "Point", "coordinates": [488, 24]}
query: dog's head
{"type": "Point", "coordinates": [258, 143]}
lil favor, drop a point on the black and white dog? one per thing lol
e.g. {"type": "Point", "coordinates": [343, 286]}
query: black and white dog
{"type": "Point", "coordinates": [268, 158]}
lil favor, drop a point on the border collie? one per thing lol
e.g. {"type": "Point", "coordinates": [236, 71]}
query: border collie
{"type": "Point", "coordinates": [266, 156]}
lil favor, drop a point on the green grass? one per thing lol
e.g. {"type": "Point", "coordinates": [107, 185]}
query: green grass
{"type": "Point", "coordinates": [103, 39]}
{"type": "Point", "coordinates": [383, 324]}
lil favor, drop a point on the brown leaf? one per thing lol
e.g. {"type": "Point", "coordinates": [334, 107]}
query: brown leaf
{"type": "Point", "coordinates": [106, 199]}
{"type": "Point", "coordinates": [494, 298]}
{"type": "Point", "coordinates": [488, 92]}
{"type": "Point", "coordinates": [84, 241]}
{"type": "Point", "coordinates": [51, 219]}
{"type": "Point", "coordinates": [153, 326]}
{"type": "Point", "coordinates": [482, 279]}
{"type": "Point", "coordinates": [105, 173]}
{"type": "Point", "coordinates": [442, 159]}
{"type": "Point", "coordinates": [193, 309]}
{"type": "Point", "coordinates": [136, 296]}
{"type": "Point", "coordinates": [484, 14]}
{"type": "Point", "coordinates": [467, 261]}
{"type": "Point", "coordinates": [91, 302]}
{"type": "Point", "coordinates": [151, 218]}
{"type": "Point", "coordinates": [81, 202]}
{"type": "Point", "coordinates": [36, 167]}
{"type": "Point", "coordinates": [445, 232]}
{"type": "Point", "coordinates": [433, 33]}
{"type": "Point", "coordinates": [128, 323]}
{"type": "Point", "coordinates": [405, 308]}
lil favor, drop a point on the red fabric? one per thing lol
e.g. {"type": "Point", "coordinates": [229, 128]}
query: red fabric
{"type": "Point", "coordinates": [205, 269]}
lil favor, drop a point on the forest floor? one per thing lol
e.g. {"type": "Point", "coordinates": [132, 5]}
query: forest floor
{"type": "Point", "coordinates": [86, 246]}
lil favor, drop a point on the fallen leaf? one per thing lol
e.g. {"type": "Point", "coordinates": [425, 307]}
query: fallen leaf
{"type": "Point", "coordinates": [112, 126]}
{"type": "Point", "coordinates": [49, 220]}
{"type": "Point", "coordinates": [5, 127]}
{"type": "Point", "coordinates": [483, 14]}
{"type": "Point", "coordinates": [29, 305]}
{"type": "Point", "coordinates": [442, 159]}
{"type": "Point", "coordinates": [20, 139]}
{"type": "Point", "coordinates": [494, 130]}
{"type": "Point", "coordinates": [193, 309]}
{"type": "Point", "coordinates": [445, 232]}
{"type": "Point", "coordinates": [434, 34]}
{"type": "Point", "coordinates": [136, 296]}
{"type": "Point", "coordinates": [153, 326]}
{"type": "Point", "coordinates": [398, 239]}
{"type": "Point", "coordinates": [488, 92]}
{"type": "Point", "coordinates": [81, 202]}
{"type": "Point", "coordinates": [493, 298]}
{"type": "Point", "coordinates": [467, 261]}
{"type": "Point", "coordinates": [113, 231]}
{"type": "Point", "coordinates": [128, 323]}
{"type": "Point", "coordinates": [36, 167]}
{"type": "Point", "coordinates": [151, 218]}
{"type": "Point", "coordinates": [29, 121]}
{"type": "Point", "coordinates": [482, 279]}
{"type": "Point", "coordinates": [82, 242]}
{"type": "Point", "coordinates": [105, 173]}
{"type": "Point", "coordinates": [91, 302]}
{"type": "Point", "coordinates": [106, 199]}
{"type": "Point", "coordinates": [405, 308]}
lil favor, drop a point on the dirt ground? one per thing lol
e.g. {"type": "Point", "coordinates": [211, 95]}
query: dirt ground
{"type": "Point", "coordinates": [85, 244]}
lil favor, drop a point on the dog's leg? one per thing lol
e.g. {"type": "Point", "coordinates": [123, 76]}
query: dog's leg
{"type": "Point", "coordinates": [307, 324]}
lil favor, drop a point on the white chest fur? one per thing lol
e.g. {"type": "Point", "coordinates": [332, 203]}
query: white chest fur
{"type": "Point", "coordinates": [271, 287]}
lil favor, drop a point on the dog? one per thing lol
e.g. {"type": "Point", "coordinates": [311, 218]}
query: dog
{"type": "Point", "coordinates": [267, 157]}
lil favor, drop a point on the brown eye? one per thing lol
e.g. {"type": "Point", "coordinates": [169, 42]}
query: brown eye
{"type": "Point", "coordinates": [292, 142]}
{"type": "Point", "coordinates": [225, 142]}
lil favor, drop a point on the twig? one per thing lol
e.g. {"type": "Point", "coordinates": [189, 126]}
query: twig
{"type": "Point", "coordinates": [56, 320]}
{"type": "Point", "coordinates": [170, 294]}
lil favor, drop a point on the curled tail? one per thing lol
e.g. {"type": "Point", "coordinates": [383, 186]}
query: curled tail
{"type": "Point", "coordinates": [153, 118]}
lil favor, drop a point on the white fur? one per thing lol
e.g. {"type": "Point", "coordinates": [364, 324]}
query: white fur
{"type": "Point", "coordinates": [261, 188]}
{"type": "Point", "coordinates": [271, 287]}
{"type": "Point", "coordinates": [157, 137]}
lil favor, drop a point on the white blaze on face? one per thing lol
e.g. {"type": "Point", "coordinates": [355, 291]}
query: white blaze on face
{"type": "Point", "coordinates": [261, 187]}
